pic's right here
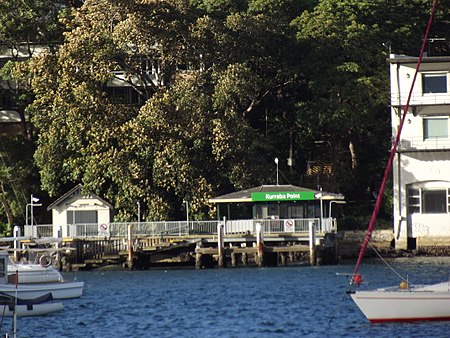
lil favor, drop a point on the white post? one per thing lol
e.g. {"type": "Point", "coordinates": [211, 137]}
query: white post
{"type": "Point", "coordinates": [260, 243]}
{"type": "Point", "coordinates": [221, 244]}
{"type": "Point", "coordinates": [130, 247]}
{"type": "Point", "coordinates": [312, 243]}
{"type": "Point", "coordinates": [16, 235]}
{"type": "Point", "coordinates": [33, 229]}
{"type": "Point", "coordinates": [321, 211]}
{"type": "Point", "coordinates": [187, 214]}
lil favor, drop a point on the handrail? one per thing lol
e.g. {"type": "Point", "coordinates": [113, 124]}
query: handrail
{"type": "Point", "coordinates": [179, 228]}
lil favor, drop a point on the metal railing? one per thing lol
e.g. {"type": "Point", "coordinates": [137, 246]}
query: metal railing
{"type": "Point", "coordinates": [180, 228]}
{"type": "Point", "coordinates": [419, 98]}
{"type": "Point", "coordinates": [419, 143]}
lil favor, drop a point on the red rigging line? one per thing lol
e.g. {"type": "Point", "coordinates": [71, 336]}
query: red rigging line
{"type": "Point", "coordinates": [357, 279]}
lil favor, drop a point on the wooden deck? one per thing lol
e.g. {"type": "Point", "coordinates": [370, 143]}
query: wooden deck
{"type": "Point", "coordinates": [200, 250]}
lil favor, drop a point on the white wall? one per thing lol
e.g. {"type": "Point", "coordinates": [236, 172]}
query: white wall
{"type": "Point", "coordinates": [418, 161]}
{"type": "Point", "coordinates": [78, 203]}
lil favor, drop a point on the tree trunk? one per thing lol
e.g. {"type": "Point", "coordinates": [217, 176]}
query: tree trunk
{"type": "Point", "coordinates": [351, 148]}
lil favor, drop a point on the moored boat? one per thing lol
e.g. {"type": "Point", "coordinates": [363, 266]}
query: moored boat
{"type": "Point", "coordinates": [405, 303]}
{"type": "Point", "coordinates": [58, 290]}
{"type": "Point", "coordinates": [12, 306]}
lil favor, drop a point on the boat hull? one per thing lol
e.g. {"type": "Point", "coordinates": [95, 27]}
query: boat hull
{"type": "Point", "coordinates": [31, 291]}
{"type": "Point", "coordinates": [31, 310]}
{"type": "Point", "coordinates": [403, 305]}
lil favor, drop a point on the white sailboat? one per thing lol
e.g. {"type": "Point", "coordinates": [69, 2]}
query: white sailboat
{"type": "Point", "coordinates": [58, 290]}
{"type": "Point", "coordinates": [404, 302]}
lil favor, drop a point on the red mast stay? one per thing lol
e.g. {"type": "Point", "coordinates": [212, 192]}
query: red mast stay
{"type": "Point", "coordinates": [356, 277]}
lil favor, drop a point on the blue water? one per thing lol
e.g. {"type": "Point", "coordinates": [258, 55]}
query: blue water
{"type": "Point", "coordinates": [235, 302]}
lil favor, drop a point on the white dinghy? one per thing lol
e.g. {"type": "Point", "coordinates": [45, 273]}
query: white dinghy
{"type": "Point", "coordinates": [11, 306]}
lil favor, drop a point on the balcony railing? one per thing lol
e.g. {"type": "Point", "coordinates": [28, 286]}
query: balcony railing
{"type": "Point", "coordinates": [418, 143]}
{"type": "Point", "coordinates": [418, 98]}
{"type": "Point", "coordinates": [180, 228]}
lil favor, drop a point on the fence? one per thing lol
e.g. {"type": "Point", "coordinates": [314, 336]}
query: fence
{"type": "Point", "coordinates": [180, 228]}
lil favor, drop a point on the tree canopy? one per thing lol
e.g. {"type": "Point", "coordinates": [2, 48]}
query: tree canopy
{"type": "Point", "coordinates": [165, 101]}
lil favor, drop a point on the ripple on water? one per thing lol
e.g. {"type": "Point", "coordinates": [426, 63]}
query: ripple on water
{"type": "Point", "coordinates": [242, 302]}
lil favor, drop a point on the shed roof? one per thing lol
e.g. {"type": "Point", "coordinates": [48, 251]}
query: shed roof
{"type": "Point", "coordinates": [245, 196]}
{"type": "Point", "coordinates": [75, 191]}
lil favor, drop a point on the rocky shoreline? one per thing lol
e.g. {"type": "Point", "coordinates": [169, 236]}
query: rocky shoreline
{"type": "Point", "coordinates": [349, 244]}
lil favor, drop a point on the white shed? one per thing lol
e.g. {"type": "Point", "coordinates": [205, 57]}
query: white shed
{"type": "Point", "coordinates": [75, 208]}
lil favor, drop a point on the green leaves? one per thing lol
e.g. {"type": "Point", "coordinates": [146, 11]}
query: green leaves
{"type": "Point", "coordinates": [160, 101]}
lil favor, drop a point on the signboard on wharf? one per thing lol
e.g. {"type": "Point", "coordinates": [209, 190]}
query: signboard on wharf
{"type": "Point", "coordinates": [282, 196]}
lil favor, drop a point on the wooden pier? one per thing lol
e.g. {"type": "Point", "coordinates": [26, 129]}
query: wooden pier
{"type": "Point", "coordinates": [199, 251]}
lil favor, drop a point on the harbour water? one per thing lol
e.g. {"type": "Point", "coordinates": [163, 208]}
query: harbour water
{"type": "Point", "coordinates": [298, 301]}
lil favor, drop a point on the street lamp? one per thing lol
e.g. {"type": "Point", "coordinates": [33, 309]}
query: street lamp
{"type": "Point", "coordinates": [32, 204]}
{"type": "Point", "coordinates": [336, 202]}
{"type": "Point", "coordinates": [276, 161]}
{"type": "Point", "coordinates": [187, 212]}
{"type": "Point", "coordinates": [139, 212]}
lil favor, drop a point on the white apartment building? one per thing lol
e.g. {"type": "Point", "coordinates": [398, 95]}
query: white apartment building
{"type": "Point", "coordinates": [421, 167]}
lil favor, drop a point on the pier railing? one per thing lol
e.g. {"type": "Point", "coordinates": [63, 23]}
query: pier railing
{"type": "Point", "coordinates": [180, 228]}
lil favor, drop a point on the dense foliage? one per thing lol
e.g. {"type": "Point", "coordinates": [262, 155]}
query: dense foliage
{"type": "Point", "coordinates": [219, 88]}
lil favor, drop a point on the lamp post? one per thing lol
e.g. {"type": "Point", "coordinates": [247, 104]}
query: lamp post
{"type": "Point", "coordinates": [138, 212]}
{"type": "Point", "coordinates": [336, 202]}
{"type": "Point", "coordinates": [331, 203]}
{"type": "Point", "coordinates": [320, 197]}
{"type": "Point", "coordinates": [276, 162]}
{"type": "Point", "coordinates": [187, 213]}
{"type": "Point", "coordinates": [32, 204]}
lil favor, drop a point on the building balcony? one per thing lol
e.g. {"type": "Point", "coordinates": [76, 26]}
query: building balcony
{"type": "Point", "coordinates": [420, 99]}
{"type": "Point", "coordinates": [417, 143]}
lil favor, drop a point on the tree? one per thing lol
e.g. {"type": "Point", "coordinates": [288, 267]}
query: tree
{"type": "Point", "coordinates": [347, 75]}
{"type": "Point", "coordinates": [199, 129]}
{"type": "Point", "coordinates": [26, 27]}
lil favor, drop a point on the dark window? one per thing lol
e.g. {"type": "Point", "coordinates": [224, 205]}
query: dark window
{"type": "Point", "coordinates": [434, 201]}
{"type": "Point", "coordinates": [82, 217]}
{"type": "Point", "coordinates": [434, 83]}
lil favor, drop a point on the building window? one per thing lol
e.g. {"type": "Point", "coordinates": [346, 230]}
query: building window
{"type": "Point", "coordinates": [434, 83]}
{"type": "Point", "coordinates": [434, 201]}
{"type": "Point", "coordinates": [435, 128]}
{"type": "Point", "coordinates": [82, 217]}
{"type": "Point", "coordinates": [413, 201]}
{"type": "Point", "coordinates": [124, 95]}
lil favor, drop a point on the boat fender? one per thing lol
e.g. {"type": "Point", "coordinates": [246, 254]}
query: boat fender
{"type": "Point", "coordinates": [404, 285]}
{"type": "Point", "coordinates": [46, 260]}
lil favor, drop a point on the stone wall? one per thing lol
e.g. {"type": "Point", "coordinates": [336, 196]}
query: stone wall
{"type": "Point", "coordinates": [349, 244]}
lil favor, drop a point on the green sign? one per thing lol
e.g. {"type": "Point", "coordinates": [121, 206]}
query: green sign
{"type": "Point", "coordinates": [282, 196]}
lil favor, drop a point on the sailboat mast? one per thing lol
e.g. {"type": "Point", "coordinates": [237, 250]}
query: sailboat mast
{"type": "Point", "coordinates": [392, 155]}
